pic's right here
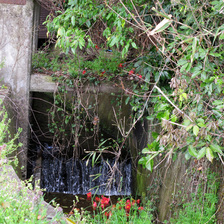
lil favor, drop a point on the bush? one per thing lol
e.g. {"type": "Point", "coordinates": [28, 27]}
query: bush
{"type": "Point", "coordinates": [202, 208]}
{"type": "Point", "coordinates": [18, 204]}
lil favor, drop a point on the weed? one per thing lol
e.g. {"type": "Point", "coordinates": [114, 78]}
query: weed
{"type": "Point", "coordinates": [202, 208]}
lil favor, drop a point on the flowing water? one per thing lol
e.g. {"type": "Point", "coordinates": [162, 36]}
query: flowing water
{"type": "Point", "coordinates": [75, 176]}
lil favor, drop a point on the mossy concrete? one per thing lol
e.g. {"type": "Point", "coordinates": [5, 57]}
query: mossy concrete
{"type": "Point", "coordinates": [5, 97]}
{"type": "Point", "coordinates": [16, 31]}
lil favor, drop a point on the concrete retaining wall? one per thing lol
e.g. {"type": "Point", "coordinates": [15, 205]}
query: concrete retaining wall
{"type": "Point", "coordinates": [16, 26]}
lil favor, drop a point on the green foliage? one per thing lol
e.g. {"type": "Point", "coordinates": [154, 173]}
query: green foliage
{"type": "Point", "coordinates": [181, 77]}
{"type": "Point", "coordinates": [191, 114]}
{"type": "Point", "coordinates": [119, 216]}
{"type": "Point", "coordinates": [1, 64]}
{"type": "Point", "coordinates": [124, 211]}
{"type": "Point", "coordinates": [75, 27]}
{"type": "Point", "coordinates": [104, 65]}
{"type": "Point", "coordinates": [7, 147]}
{"type": "Point", "coordinates": [15, 204]}
{"type": "Point", "coordinates": [202, 207]}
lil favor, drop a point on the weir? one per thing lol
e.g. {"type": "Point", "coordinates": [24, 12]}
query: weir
{"type": "Point", "coordinates": [56, 167]}
{"type": "Point", "coordinates": [75, 176]}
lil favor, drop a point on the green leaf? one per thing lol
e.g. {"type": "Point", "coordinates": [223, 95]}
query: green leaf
{"type": "Point", "coordinates": [127, 100]}
{"type": "Point", "coordinates": [93, 159]}
{"type": "Point", "coordinates": [155, 135]}
{"type": "Point", "coordinates": [189, 127]}
{"type": "Point", "coordinates": [114, 41]}
{"type": "Point", "coordinates": [149, 164]}
{"type": "Point", "coordinates": [73, 20]}
{"type": "Point", "coordinates": [215, 54]}
{"type": "Point", "coordinates": [173, 118]}
{"type": "Point", "coordinates": [209, 154]}
{"type": "Point", "coordinates": [142, 161]}
{"type": "Point", "coordinates": [88, 23]}
{"type": "Point", "coordinates": [184, 67]}
{"type": "Point", "coordinates": [184, 95]}
{"type": "Point", "coordinates": [217, 102]}
{"type": "Point", "coordinates": [200, 144]}
{"type": "Point", "coordinates": [160, 13]}
{"type": "Point", "coordinates": [208, 138]}
{"type": "Point", "coordinates": [187, 155]}
{"type": "Point", "coordinates": [200, 120]}
{"type": "Point", "coordinates": [203, 76]}
{"type": "Point", "coordinates": [150, 118]}
{"type": "Point", "coordinates": [186, 122]}
{"type": "Point", "coordinates": [192, 151]}
{"type": "Point", "coordinates": [145, 150]}
{"type": "Point", "coordinates": [133, 44]}
{"type": "Point", "coordinates": [195, 130]}
{"type": "Point", "coordinates": [201, 125]}
{"type": "Point", "coordinates": [216, 148]}
{"type": "Point", "coordinates": [194, 45]}
{"type": "Point", "coordinates": [201, 153]}
{"type": "Point", "coordinates": [182, 62]}
{"type": "Point", "coordinates": [61, 31]}
{"type": "Point", "coordinates": [195, 74]}
{"type": "Point", "coordinates": [166, 115]}
{"type": "Point", "coordinates": [221, 37]}
{"type": "Point", "coordinates": [162, 106]}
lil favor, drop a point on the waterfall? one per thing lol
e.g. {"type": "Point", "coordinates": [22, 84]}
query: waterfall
{"type": "Point", "coordinates": [76, 176]}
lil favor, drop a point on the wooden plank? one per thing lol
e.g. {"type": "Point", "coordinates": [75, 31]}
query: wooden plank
{"type": "Point", "coordinates": [14, 2]}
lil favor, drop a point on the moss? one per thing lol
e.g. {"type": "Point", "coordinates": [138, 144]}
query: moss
{"type": "Point", "coordinates": [141, 181]}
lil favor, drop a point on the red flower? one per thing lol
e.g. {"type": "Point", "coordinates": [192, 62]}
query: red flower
{"type": "Point", "coordinates": [140, 208]}
{"type": "Point", "coordinates": [94, 205]}
{"type": "Point", "coordinates": [97, 199]}
{"type": "Point", "coordinates": [89, 195]}
{"type": "Point", "coordinates": [140, 76]}
{"type": "Point", "coordinates": [96, 46]}
{"type": "Point", "coordinates": [120, 65]}
{"type": "Point", "coordinates": [103, 72]}
{"type": "Point", "coordinates": [84, 71]}
{"type": "Point", "coordinates": [128, 206]}
{"type": "Point", "coordinates": [138, 201]}
{"type": "Point", "coordinates": [104, 202]}
{"type": "Point", "coordinates": [131, 72]}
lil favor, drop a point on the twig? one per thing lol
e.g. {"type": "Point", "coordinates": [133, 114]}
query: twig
{"type": "Point", "coordinates": [174, 123]}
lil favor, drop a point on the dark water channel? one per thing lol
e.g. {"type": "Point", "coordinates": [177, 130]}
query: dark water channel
{"type": "Point", "coordinates": [64, 178]}
{"type": "Point", "coordinates": [66, 201]}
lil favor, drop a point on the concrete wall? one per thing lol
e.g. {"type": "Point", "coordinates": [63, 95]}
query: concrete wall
{"type": "Point", "coordinates": [16, 32]}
